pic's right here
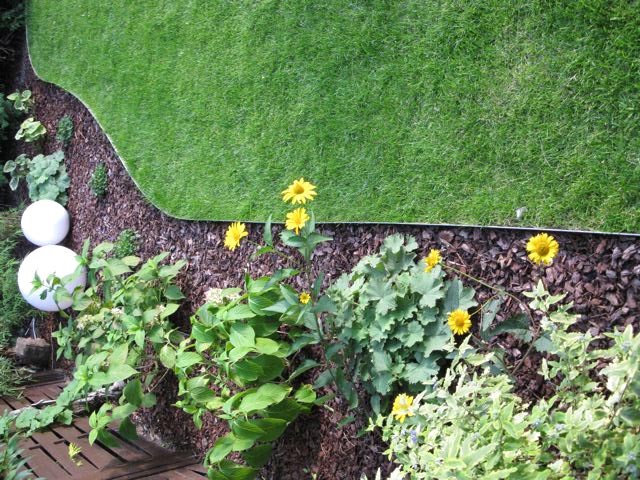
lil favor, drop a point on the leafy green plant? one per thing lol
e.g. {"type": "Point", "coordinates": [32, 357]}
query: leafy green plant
{"type": "Point", "coordinates": [31, 130]}
{"type": "Point", "coordinates": [240, 359]}
{"type": "Point", "coordinates": [240, 343]}
{"type": "Point", "coordinates": [12, 465]}
{"type": "Point", "coordinates": [47, 178]}
{"type": "Point", "coordinates": [18, 169]}
{"type": "Point", "coordinates": [22, 101]}
{"type": "Point", "coordinates": [126, 244]}
{"type": "Point", "coordinates": [99, 180]}
{"type": "Point", "coordinates": [390, 326]}
{"type": "Point", "coordinates": [122, 313]}
{"type": "Point", "coordinates": [471, 424]}
{"type": "Point", "coordinates": [64, 131]}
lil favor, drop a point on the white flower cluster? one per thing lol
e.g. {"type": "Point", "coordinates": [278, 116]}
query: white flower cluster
{"type": "Point", "coordinates": [220, 296]}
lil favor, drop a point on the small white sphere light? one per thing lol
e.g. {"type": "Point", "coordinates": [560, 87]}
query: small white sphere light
{"type": "Point", "coordinates": [45, 222]}
{"type": "Point", "coordinates": [45, 261]}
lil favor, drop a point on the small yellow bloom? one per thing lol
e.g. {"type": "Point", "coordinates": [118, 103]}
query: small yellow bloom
{"type": "Point", "coordinates": [542, 248]}
{"type": "Point", "coordinates": [402, 407]}
{"type": "Point", "coordinates": [304, 298]}
{"type": "Point", "coordinates": [297, 219]}
{"type": "Point", "coordinates": [299, 192]}
{"type": "Point", "coordinates": [459, 322]}
{"type": "Point", "coordinates": [236, 232]}
{"type": "Point", "coordinates": [432, 259]}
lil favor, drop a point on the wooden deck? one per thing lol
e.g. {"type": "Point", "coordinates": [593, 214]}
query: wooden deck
{"type": "Point", "coordinates": [47, 452]}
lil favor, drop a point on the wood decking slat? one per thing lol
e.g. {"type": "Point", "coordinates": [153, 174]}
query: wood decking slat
{"type": "Point", "coordinates": [47, 451]}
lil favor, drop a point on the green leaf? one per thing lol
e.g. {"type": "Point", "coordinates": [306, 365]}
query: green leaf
{"type": "Point", "coordinates": [119, 355]}
{"type": "Point", "coordinates": [266, 346]}
{"type": "Point", "coordinates": [188, 359]}
{"type": "Point", "coordinates": [382, 382]}
{"type": "Point", "coordinates": [172, 292]}
{"type": "Point", "coordinates": [107, 439]}
{"type": "Point", "coordinates": [258, 456]}
{"type": "Point", "coordinates": [267, 235]}
{"type": "Point", "coordinates": [127, 429]}
{"type": "Point", "coordinates": [381, 291]}
{"type": "Point", "coordinates": [168, 356]}
{"type": "Point", "coordinates": [117, 267]}
{"type": "Point", "coordinates": [630, 416]}
{"type": "Point", "coordinates": [429, 287]}
{"type": "Point", "coordinates": [170, 309]}
{"type": "Point", "coordinates": [265, 396]}
{"type": "Point", "coordinates": [305, 394]}
{"type": "Point", "coordinates": [421, 372]}
{"type": "Point", "coordinates": [242, 335]}
{"type": "Point", "coordinates": [222, 448]}
{"type": "Point", "coordinates": [544, 344]}
{"type": "Point", "coordinates": [273, 427]}
{"type": "Point", "coordinates": [239, 312]}
{"type": "Point", "coordinates": [133, 392]}
{"type": "Point", "coordinates": [272, 367]}
{"type": "Point", "coordinates": [489, 313]}
{"type": "Point", "coordinates": [518, 326]}
{"type": "Point", "coordinates": [247, 429]}
{"type": "Point", "coordinates": [118, 373]}
{"type": "Point", "coordinates": [305, 366]}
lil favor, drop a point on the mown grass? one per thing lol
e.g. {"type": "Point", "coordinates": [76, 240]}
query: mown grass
{"type": "Point", "coordinates": [443, 111]}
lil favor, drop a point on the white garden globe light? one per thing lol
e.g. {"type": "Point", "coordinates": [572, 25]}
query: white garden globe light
{"type": "Point", "coordinates": [45, 222]}
{"type": "Point", "coordinates": [47, 260]}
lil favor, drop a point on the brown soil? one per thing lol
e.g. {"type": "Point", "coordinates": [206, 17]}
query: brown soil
{"type": "Point", "coordinates": [601, 275]}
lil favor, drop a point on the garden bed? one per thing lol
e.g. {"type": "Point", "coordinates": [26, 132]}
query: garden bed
{"type": "Point", "coordinates": [600, 273]}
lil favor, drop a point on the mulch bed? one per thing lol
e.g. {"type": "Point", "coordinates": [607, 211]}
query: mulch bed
{"type": "Point", "coordinates": [601, 275]}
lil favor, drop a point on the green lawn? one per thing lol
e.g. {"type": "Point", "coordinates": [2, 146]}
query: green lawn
{"type": "Point", "coordinates": [409, 111]}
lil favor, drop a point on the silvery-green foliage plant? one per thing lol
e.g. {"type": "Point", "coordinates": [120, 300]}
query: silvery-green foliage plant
{"type": "Point", "coordinates": [390, 326]}
{"type": "Point", "coordinates": [473, 425]}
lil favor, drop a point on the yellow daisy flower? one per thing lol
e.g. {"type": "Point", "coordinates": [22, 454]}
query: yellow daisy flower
{"type": "Point", "coordinates": [299, 192]}
{"type": "Point", "coordinates": [542, 248]}
{"type": "Point", "coordinates": [304, 298]}
{"type": "Point", "coordinates": [402, 407]}
{"type": "Point", "coordinates": [235, 233]}
{"type": "Point", "coordinates": [432, 259]}
{"type": "Point", "coordinates": [297, 219]}
{"type": "Point", "coordinates": [459, 322]}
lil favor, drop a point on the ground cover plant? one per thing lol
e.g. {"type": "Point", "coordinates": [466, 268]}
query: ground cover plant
{"type": "Point", "coordinates": [404, 111]}
{"type": "Point", "coordinates": [46, 176]}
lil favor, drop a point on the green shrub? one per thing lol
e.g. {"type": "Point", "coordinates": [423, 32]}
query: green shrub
{"type": "Point", "coordinates": [126, 244]}
{"type": "Point", "coordinates": [64, 131]}
{"type": "Point", "coordinates": [31, 130]}
{"type": "Point", "coordinates": [390, 324]}
{"type": "Point", "coordinates": [99, 180]}
{"type": "Point", "coordinates": [471, 424]}
{"type": "Point", "coordinates": [22, 101]}
{"type": "Point", "coordinates": [47, 178]}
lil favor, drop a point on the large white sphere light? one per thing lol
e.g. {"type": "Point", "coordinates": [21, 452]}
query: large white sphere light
{"type": "Point", "coordinates": [47, 260]}
{"type": "Point", "coordinates": [45, 222]}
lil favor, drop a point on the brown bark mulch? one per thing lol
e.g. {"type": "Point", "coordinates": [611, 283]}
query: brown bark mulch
{"type": "Point", "coordinates": [601, 275]}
